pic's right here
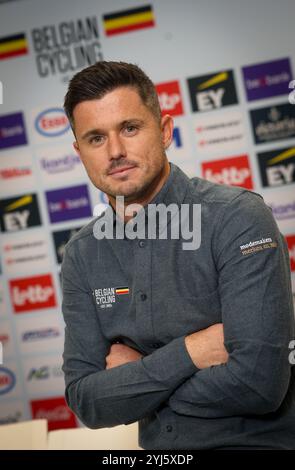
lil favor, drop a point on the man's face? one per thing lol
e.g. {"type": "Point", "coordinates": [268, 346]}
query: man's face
{"type": "Point", "coordinates": [121, 143]}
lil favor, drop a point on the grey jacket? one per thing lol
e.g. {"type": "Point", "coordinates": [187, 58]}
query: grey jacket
{"type": "Point", "coordinates": [150, 294]}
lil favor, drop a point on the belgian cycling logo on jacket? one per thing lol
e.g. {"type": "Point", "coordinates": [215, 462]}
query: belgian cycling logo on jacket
{"type": "Point", "coordinates": [107, 296]}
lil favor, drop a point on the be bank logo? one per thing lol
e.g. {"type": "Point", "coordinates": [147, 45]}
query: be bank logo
{"type": "Point", "coordinates": [267, 79]}
{"type": "Point", "coordinates": [12, 131]}
{"type": "Point", "coordinates": [68, 203]}
{"type": "Point", "coordinates": [170, 98]}
{"type": "Point", "coordinates": [50, 123]}
{"type": "Point", "coordinates": [32, 293]}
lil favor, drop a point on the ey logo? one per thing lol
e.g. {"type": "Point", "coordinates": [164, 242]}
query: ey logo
{"type": "Point", "coordinates": [19, 213]}
{"type": "Point", "coordinates": [213, 91]}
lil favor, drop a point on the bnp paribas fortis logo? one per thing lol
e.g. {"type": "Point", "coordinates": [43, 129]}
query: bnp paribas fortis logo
{"type": "Point", "coordinates": [214, 91]}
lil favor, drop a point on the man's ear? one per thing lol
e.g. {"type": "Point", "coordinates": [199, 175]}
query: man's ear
{"type": "Point", "coordinates": [167, 130]}
{"type": "Point", "coordinates": [76, 147]}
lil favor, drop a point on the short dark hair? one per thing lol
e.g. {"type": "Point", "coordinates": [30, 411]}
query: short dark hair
{"type": "Point", "coordinates": [95, 81]}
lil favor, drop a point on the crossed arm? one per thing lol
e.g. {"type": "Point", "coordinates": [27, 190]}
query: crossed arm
{"type": "Point", "coordinates": [205, 347]}
{"type": "Point", "coordinates": [109, 384]}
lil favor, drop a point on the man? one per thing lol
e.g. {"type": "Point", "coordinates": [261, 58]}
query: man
{"type": "Point", "coordinates": [192, 343]}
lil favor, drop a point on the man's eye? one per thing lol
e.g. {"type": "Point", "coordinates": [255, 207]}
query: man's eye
{"type": "Point", "coordinates": [97, 139]}
{"type": "Point", "coordinates": [131, 129]}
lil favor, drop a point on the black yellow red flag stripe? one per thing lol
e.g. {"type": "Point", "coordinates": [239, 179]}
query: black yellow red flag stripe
{"type": "Point", "coordinates": [12, 46]}
{"type": "Point", "coordinates": [122, 290]}
{"type": "Point", "coordinates": [129, 20]}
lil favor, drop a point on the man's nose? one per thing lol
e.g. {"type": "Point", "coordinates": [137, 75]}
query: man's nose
{"type": "Point", "coordinates": [116, 148]}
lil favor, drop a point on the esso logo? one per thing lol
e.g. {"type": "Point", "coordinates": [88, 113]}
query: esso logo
{"type": "Point", "coordinates": [7, 380]}
{"type": "Point", "coordinates": [52, 122]}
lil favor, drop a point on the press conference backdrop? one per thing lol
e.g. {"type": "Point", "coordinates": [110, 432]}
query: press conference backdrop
{"type": "Point", "coordinates": [222, 70]}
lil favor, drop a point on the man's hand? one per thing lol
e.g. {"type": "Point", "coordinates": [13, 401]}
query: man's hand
{"type": "Point", "coordinates": [121, 354]}
{"type": "Point", "coordinates": [206, 347]}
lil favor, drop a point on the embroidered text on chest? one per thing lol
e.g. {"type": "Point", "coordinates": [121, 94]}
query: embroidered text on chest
{"type": "Point", "coordinates": [106, 297]}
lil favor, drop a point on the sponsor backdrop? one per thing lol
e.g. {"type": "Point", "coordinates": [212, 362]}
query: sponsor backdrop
{"type": "Point", "coordinates": [223, 70]}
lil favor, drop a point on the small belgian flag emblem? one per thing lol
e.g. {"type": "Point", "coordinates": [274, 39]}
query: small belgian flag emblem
{"type": "Point", "coordinates": [12, 46]}
{"type": "Point", "coordinates": [122, 290]}
{"type": "Point", "coordinates": [128, 20]}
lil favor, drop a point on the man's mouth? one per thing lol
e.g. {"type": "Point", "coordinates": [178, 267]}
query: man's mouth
{"type": "Point", "coordinates": [118, 172]}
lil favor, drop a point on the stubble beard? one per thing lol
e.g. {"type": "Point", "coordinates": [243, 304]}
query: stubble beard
{"type": "Point", "coordinates": [137, 189]}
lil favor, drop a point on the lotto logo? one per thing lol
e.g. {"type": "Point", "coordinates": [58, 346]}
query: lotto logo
{"type": "Point", "coordinates": [291, 245]}
{"type": "Point", "coordinates": [170, 98]}
{"type": "Point", "coordinates": [32, 293]}
{"type": "Point", "coordinates": [232, 171]}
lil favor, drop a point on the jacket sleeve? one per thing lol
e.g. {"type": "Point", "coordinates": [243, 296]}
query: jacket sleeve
{"type": "Point", "coordinates": [252, 261]}
{"type": "Point", "coordinates": [123, 394]}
